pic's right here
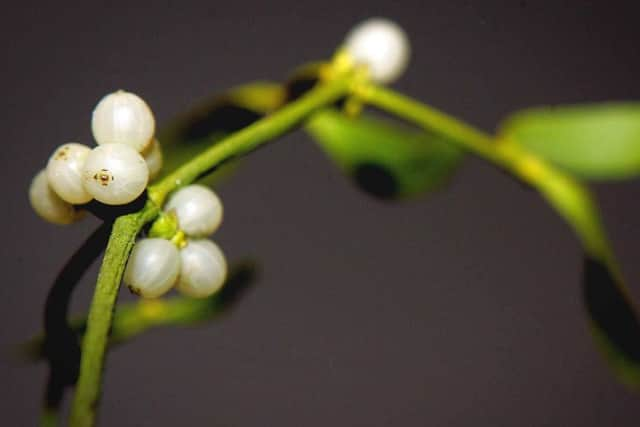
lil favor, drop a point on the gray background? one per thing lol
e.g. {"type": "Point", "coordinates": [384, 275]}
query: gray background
{"type": "Point", "coordinates": [463, 309]}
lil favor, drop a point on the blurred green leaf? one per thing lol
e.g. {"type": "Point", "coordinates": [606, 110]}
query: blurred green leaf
{"type": "Point", "coordinates": [596, 141]}
{"type": "Point", "coordinates": [303, 79]}
{"type": "Point", "coordinates": [208, 122]}
{"type": "Point", "coordinates": [385, 158]}
{"type": "Point", "coordinates": [261, 97]}
{"type": "Point", "coordinates": [613, 321]}
{"type": "Point", "coordinates": [132, 319]}
{"type": "Point", "coordinates": [613, 318]}
{"type": "Point", "coordinates": [224, 112]}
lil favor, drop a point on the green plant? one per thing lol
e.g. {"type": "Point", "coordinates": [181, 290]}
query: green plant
{"type": "Point", "coordinates": [550, 150]}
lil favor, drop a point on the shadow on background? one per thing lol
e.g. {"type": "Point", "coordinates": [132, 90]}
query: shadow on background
{"type": "Point", "coordinates": [61, 342]}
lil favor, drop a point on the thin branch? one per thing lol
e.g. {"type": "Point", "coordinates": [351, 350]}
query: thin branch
{"type": "Point", "coordinates": [125, 229]}
{"type": "Point", "coordinates": [94, 344]}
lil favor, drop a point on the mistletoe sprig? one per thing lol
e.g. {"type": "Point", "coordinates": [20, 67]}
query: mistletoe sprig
{"type": "Point", "coordinates": [550, 150]}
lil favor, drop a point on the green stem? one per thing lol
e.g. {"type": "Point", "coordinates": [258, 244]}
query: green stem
{"type": "Point", "coordinates": [125, 229]}
{"type": "Point", "coordinates": [123, 235]}
{"type": "Point", "coordinates": [569, 198]}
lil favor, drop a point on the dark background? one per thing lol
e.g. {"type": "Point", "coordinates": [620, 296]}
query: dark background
{"type": "Point", "coordinates": [463, 309]}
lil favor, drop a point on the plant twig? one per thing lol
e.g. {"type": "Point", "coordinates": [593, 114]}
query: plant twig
{"type": "Point", "coordinates": [123, 235]}
{"type": "Point", "coordinates": [125, 229]}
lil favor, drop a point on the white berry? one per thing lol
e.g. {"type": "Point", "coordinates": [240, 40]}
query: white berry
{"type": "Point", "coordinates": [47, 204]}
{"type": "Point", "coordinates": [115, 174]}
{"type": "Point", "coordinates": [123, 118]}
{"type": "Point", "coordinates": [198, 209]}
{"type": "Point", "coordinates": [64, 172]}
{"type": "Point", "coordinates": [153, 158]}
{"type": "Point", "coordinates": [203, 270]}
{"type": "Point", "coordinates": [381, 45]}
{"type": "Point", "coordinates": [153, 267]}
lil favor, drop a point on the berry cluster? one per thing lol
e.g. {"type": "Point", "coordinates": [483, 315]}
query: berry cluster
{"type": "Point", "coordinates": [193, 264]}
{"type": "Point", "coordinates": [115, 172]}
{"type": "Point", "coordinates": [128, 155]}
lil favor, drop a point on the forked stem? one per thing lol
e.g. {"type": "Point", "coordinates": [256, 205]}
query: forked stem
{"type": "Point", "coordinates": [125, 229]}
{"type": "Point", "coordinates": [568, 197]}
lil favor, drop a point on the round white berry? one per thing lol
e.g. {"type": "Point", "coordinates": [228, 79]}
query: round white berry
{"type": "Point", "coordinates": [64, 172]}
{"type": "Point", "coordinates": [153, 267]}
{"type": "Point", "coordinates": [203, 270]}
{"type": "Point", "coordinates": [198, 209]}
{"type": "Point", "coordinates": [153, 158]}
{"type": "Point", "coordinates": [115, 174]}
{"type": "Point", "coordinates": [123, 118]}
{"type": "Point", "coordinates": [47, 204]}
{"type": "Point", "coordinates": [382, 46]}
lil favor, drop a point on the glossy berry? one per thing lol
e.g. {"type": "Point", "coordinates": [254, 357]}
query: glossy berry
{"type": "Point", "coordinates": [198, 209]}
{"type": "Point", "coordinates": [64, 171]}
{"type": "Point", "coordinates": [123, 118]}
{"type": "Point", "coordinates": [47, 204]}
{"type": "Point", "coordinates": [115, 174]}
{"type": "Point", "coordinates": [203, 269]}
{"type": "Point", "coordinates": [153, 267]}
{"type": "Point", "coordinates": [153, 158]}
{"type": "Point", "coordinates": [382, 46]}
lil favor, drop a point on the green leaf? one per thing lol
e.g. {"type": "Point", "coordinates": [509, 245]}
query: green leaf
{"type": "Point", "coordinates": [385, 158]}
{"type": "Point", "coordinates": [596, 141]}
{"type": "Point", "coordinates": [613, 319]}
{"type": "Point", "coordinates": [303, 79]}
{"type": "Point", "coordinates": [213, 119]}
{"type": "Point", "coordinates": [224, 112]}
{"type": "Point", "coordinates": [134, 318]}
